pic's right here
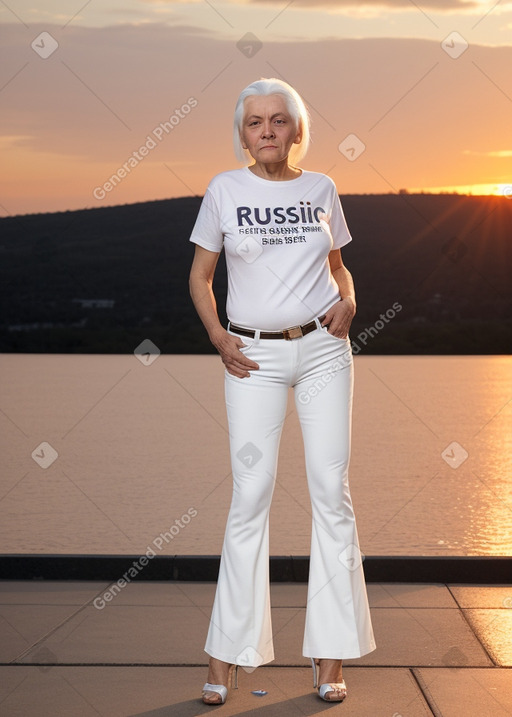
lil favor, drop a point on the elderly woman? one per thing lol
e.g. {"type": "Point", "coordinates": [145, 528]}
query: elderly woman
{"type": "Point", "coordinates": [290, 305]}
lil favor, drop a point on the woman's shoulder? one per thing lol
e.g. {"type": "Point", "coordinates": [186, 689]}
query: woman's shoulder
{"type": "Point", "coordinates": [227, 177]}
{"type": "Point", "coordinates": [318, 177]}
{"type": "Point", "coordinates": [319, 183]}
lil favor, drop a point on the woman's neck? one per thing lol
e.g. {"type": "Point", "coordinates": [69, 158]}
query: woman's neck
{"type": "Point", "coordinates": [278, 171]}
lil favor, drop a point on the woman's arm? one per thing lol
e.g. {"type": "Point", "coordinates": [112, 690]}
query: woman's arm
{"type": "Point", "coordinates": [201, 291]}
{"type": "Point", "coordinates": [339, 317]}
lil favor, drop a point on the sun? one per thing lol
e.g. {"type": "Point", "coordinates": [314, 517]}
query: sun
{"type": "Point", "coordinates": [476, 190]}
{"type": "Point", "coordinates": [493, 190]}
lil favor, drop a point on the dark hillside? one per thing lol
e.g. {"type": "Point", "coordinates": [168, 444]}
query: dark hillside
{"type": "Point", "coordinates": [102, 280]}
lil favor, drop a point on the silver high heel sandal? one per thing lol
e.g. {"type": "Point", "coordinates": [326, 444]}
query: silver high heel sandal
{"type": "Point", "coordinates": [338, 688]}
{"type": "Point", "coordinates": [221, 690]}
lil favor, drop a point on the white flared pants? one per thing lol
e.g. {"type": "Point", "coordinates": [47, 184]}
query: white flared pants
{"type": "Point", "coordinates": [319, 368]}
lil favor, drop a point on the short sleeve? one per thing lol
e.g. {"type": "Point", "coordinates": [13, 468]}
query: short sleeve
{"type": "Point", "coordinates": [337, 223]}
{"type": "Point", "coordinates": [207, 230]}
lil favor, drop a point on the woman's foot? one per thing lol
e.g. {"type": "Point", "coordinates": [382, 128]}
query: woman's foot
{"type": "Point", "coordinates": [218, 677]}
{"type": "Point", "coordinates": [328, 677]}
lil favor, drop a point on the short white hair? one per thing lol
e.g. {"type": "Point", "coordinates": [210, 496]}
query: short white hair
{"type": "Point", "coordinates": [296, 108]}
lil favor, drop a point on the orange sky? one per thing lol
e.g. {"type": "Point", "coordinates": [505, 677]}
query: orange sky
{"type": "Point", "coordinates": [84, 106]}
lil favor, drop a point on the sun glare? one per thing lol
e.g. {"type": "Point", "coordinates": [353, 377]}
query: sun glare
{"type": "Point", "coordinates": [476, 190]}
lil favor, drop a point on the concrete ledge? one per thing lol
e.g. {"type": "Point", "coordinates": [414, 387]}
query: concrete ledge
{"type": "Point", "coordinates": [289, 568]}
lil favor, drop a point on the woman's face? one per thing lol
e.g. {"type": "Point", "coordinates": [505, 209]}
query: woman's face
{"type": "Point", "coordinates": [268, 130]}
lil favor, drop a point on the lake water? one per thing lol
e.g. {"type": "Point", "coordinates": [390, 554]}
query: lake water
{"type": "Point", "coordinates": [141, 450]}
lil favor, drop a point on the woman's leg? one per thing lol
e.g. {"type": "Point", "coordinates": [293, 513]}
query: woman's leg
{"type": "Point", "coordinates": [240, 629]}
{"type": "Point", "coordinates": [338, 621]}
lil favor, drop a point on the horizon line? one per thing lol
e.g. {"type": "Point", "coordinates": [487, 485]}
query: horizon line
{"type": "Point", "coordinates": [506, 193]}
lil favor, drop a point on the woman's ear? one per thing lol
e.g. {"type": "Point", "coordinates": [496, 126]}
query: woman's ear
{"type": "Point", "coordinates": [298, 136]}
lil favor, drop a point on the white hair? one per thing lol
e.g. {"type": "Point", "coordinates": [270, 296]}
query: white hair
{"type": "Point", "coordinates": [296, 108]}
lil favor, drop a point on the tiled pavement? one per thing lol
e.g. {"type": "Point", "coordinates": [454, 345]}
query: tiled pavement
{"type": "Point", "coordinates": [441, 650]}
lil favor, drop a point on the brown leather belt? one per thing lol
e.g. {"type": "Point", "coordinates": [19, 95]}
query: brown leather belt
{"type": "Point", "coordinates": [294, 332]}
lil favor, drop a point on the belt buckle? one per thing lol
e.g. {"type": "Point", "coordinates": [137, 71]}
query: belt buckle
{"type": "Point", "coordinates": [294, 332]}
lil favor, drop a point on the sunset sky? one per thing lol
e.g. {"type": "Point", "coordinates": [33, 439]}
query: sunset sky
{"type": "Point", "coordinates": [402, 94]}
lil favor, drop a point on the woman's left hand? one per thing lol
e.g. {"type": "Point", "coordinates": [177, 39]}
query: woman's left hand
{"type": "Point", "coordinates": [339, 317]}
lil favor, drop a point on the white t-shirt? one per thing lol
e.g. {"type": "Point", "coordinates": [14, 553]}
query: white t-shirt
{"type": "Point", "coordinates": [277, 243]}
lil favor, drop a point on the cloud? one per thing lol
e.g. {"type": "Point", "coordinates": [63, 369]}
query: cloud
{"type": "Point", "coordinates": [15, 140]}
{"type": "Point", "coordinates": [73, 119]}
{"type": "Point", "coordinates": [441, 5]}
{"type": "Point", "coordinates": [502, 153]}
{"type": "Point", "coordinates": [438, 5]}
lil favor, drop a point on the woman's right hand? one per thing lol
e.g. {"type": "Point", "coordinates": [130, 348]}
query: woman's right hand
{"type": "Point", "coordinates": [228, 346]}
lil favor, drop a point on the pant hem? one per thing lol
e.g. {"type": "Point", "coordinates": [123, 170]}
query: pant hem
{"type": "Point", "coordinates": [337, 654]}
{"type": "Point", "coordinates": [232, 659]}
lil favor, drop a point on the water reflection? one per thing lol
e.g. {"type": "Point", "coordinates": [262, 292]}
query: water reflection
{"type": "Point", "coordinates": [443, 455]}
{"type": "Point", "coordinates": [139, 445]}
